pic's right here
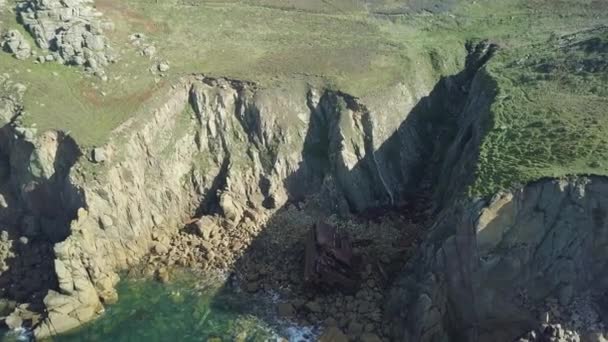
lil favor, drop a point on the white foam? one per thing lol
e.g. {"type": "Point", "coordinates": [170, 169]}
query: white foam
{"type": "Point", "coordinates": [20, 334]}
{"type": "Point", "coordinates": [300, 334]}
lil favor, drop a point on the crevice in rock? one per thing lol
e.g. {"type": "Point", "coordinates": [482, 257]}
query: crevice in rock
{"type": "Point", "coordinates": [228, 160]}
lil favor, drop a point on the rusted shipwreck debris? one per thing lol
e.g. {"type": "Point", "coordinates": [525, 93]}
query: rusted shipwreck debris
{"type": "Point", "coordinates": [329, 259]}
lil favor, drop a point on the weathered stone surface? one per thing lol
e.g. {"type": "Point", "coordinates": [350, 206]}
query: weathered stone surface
{"type": "Point", "coordinates": [163, 67]}
{"type": "Point", "coordinates": [14, 43]}
{"type": "Point", "coordinates": [13, 321]}
{"type": "Point", "coordinates": [56, 323]}
{"type": "Point", "coordinates": [66, 284]}
{"type": "Point", "coordinates": [98, 155]}
{"type": "Point", "coordinates": [72, 30]}
{"type": "Point", "coordinates": [547, 238]}
{"type": "Point", "coordinates": [159, 248]}
{"type": "Point", "coordinates": [207, 227]}
{"type": "Point", "coordinates": [149, 51]}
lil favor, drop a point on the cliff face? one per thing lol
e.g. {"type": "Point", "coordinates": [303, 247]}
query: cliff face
{"type": "Point", "coordinates": [490, 269]}
{"type": "Point", "coordinates": [213, 146]}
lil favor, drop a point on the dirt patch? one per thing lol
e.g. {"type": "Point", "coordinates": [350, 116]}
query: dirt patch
{"type": "Point", "coordinates": [120, 12]}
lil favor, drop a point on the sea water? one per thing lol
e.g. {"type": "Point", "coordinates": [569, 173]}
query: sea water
{"type": "Point", "coordinates": [187, 309]}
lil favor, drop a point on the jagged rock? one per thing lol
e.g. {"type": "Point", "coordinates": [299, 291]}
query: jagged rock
{"type": "Point", "coordinates": [551, 333]}
{"type": "Point", "coordinates": [163, 67]}
{"type": "Point", "coordinates": [66, 284]}
{"type": "Point", "coordinates": [72, 29]}
{"type": "Point", "coordinates": [98, 155]}
{"type": "Point", "coordinates": [64, 304]}
{"type": "Point", "coordinates": [3, 203]}
{"type": "Point", "coordinates": [13, 321]}
{"type": "Point", "coordinates": [206, 227]}
{"type": "Point", "coordinates": [499, 243]}
{"type": "Point", "coordinates": [231, 210]}
{"type": "Point", "coordinates": [14, 42]}
{"type": "Point", "coordinates": [159, 248]}
{"type": "Point", "coordinates": [56, 323]}
{"type": "Point", "coordinates": [150, 51]}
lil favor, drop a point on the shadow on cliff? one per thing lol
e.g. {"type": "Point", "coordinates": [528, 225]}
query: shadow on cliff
{"type": "Point", "coordinates": [35, 214]}
{"type": "Point", "coordinates": [402, 169]}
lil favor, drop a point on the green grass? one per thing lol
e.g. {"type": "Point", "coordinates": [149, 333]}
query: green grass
{"type": "Point", "coordinates": [551, 115]}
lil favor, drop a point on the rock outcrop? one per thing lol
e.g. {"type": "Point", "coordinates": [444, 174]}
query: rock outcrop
{"type": "Point", "coordinates": [14, 43]}
{"type": "Point", "coordinates": [489, 268]}
{"type": "Point", "coordinates": [71, 29]}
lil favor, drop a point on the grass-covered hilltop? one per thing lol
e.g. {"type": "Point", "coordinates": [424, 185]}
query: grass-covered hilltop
{"type": "Point", "coordinates": [548, 119]}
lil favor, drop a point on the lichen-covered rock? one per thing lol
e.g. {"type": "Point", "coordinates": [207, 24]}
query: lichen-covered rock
{"type": "Point", "coordinates": [13, 42]}
{"type": "Point", "coordinates": [72, 30]}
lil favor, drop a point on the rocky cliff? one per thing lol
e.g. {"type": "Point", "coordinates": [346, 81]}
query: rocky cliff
{"type": "Point", "coordinates": [211, 146]}
{"type": "Point", "coordinates": [491, 269]}
{"type": "Point", "coordinates": [487, 270]}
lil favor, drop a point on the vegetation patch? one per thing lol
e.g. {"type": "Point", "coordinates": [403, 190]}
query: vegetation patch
{"type": "Point", "coordinates": [551, 116]}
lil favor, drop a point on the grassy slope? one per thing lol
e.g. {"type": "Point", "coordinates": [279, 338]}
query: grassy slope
{"type": "Point", "coordinates": [551, 117]}
{"type": "Point", "coordinates": [545, 125]}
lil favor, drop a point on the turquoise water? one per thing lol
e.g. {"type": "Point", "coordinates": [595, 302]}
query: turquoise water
{"type": "Point", "coordinates": [184, 310]}
{"type": "Point", "coordinates": [150, 311]}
